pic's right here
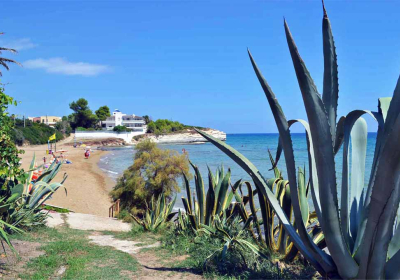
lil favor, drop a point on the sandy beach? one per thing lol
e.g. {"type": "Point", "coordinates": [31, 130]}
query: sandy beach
{"type": "Point", "coordinates": [87, 186]}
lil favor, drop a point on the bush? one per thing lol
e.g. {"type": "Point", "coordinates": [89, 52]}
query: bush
{"type": "Point", "coordinates": [153, 172]}
{"type": "Point", "coordinates": [200, 246]}
{"type": "Point", "coordinates": [163, 126]}
{"type": "Point", "coordinates": [120, 128]}
{"type": "Point", "coordinates": [18, 137]}
{"type": "Point", "coordinates": [36, 134]}
{"type": "Point", "coordinates": [80, 129]}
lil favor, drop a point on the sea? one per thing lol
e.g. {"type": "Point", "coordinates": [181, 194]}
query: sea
{"type": "Point", "coordinates": [253, 146]}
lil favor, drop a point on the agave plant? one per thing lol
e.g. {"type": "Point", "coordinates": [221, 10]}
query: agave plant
{"type": "Point", "coordinates": [276, 237]}
{"type": "Point", "coordinates": [361, 233]}
{"type": "Point", "coordinates": [23, 207]}
{"type": "Point", "coordinates": [158, 213]}
{"type": "Point", "coordinates": [233, 242]}
{"type": "Point", "coordinates": [217, 201]}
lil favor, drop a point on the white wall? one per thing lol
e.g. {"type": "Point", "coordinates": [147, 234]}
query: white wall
{"type": "Point", "coordinates": [127, 136]}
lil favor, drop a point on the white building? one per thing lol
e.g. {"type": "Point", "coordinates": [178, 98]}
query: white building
{"type": "Point", "coordinates": [134, 123]}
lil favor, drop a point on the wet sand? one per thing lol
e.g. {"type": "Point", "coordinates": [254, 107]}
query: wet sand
{"type": "Point", "coordinates": [87, 185]}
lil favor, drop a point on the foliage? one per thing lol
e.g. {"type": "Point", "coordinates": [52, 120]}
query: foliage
{"type": "Point", "coordinates": [147, 119]}
{"type": "Point", "coordinates": [275, 237]}
{"type": "Point", "coordinates": [217, 202]}
{"type": "Point", "coordinates": [23, 206]}
{"type": "Point", "coordinates": [158, 213]}
{"type": "Point", "coordinates": [82, 115]}
{"type": "Point", "coordinates": [154, 171]}
{"type": "Point", "coordinates": [9, 160]}
{"type": "Point", "coordinates": [362, 235]}
{"type": "Point", "coordinates": [64, 127]}
{"type": "Point", "coordinates": [103, 113]}
{"type": "Point", "coordinates": [5, 61]}
{"type": "Point", "coordinates": [234, 241]}
{"type": "Point", "coordinates": [120, 128]}
{"type": "Point", "coordinates": [35, 133]}
{"type": "Point", "coordinates": [163, 126]}
{"type": "Point", "coordinates": [239, 262]}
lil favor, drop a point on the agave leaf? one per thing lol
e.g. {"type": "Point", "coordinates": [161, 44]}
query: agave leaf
{"type": "Point", "coordinates": [252, 247]}
{"type": "Point", "coordinates": [330, 93]}
{"type": "Point", "coordinates": [382, 106]}
{"type": "Point", "coordinates": [323, 146]}
{"type": "Point", "coordinates": [44, 174]}
{"type": "Point", "coordinates": [339, 135]}
{"type": "Point", "coordinates": [186, 205]}
{"type": "Point", "coordinates": [394, 245]}
{"type": "Point", "coordinates": [227, 201]}
{"type": "Point", "coordinates": [42, 194]}
{"type": "Point", "coordinates": [210, 201]}
{"type": "Point", "coordinates": [264, 190]}
{"type": "Point", "coordinates": [284, 133]}
{"type": "Point", "coordinates": [359, 136]}
{"type": "Point", "coordinates": [384, 198]}
{"type": "Point", "coordinates": [200, 192]}
{"type": "Point", "coordinates": [223, 191]}
{"type": "Point", "coordinates": [171, 206]}
{"type": "Point", "coordinates": [355, 128]}
{"type": "Point", "coordinates": [392, 270]}
{"type": "Point", "coordinates": [54, 170]}
{"type": "Point", "coordinates": [305, 210]}
{"type": "Point", "coordinates": [234, 190]}
{"type": "Point", "coordinates": [188, 193]}
{"type": "Point", "coordinates": [312, 165]}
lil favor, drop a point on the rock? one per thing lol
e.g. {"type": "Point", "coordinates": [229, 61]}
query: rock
{"type": "Point", "coordinates": [188, 136]}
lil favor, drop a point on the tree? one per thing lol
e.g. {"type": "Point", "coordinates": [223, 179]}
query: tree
{"type": "Point", "coordinates": [103, 113]}
{"type": "Point", "coordinates": [64, 126]}
{"type": "Point", "coordinates": [151, 127]}
{"type": "Point", "coordinates": [154, 171]}
{"type": "Point", "coordinates": [5, 61]}
{"type": "Point", "coordinates": [82, 116]}
{"type": "Point", "coordinates": [147, 119]}
{"type": "Point", "coordinates": [9, 159]}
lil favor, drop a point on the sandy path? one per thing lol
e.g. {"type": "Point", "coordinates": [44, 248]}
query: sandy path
{"type": "Point", "coordinates": [87, 186]}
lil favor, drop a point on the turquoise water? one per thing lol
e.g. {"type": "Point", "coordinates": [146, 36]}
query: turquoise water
{"type": "Point", "coordinates": [253, 146]}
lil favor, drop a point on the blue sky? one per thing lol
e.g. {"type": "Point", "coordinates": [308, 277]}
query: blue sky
{"type": "Point", "coordinates": [187, 60]}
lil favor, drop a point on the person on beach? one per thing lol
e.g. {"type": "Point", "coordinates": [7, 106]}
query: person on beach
{"type": "Point", "coordinates": [87, 154]}
{"type": "Point", "coordinates": [55, 158]}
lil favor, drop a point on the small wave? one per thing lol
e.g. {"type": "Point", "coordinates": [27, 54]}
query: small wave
{"type": "Point", "coordinates": [109, 171]}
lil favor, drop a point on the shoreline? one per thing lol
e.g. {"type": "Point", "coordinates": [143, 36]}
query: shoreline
{"type": "Point", "coordinates": [87, 185]}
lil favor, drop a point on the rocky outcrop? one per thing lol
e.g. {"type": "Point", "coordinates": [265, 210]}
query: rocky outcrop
{"type": "Point", "coordinates": [112, 142]}
{"type": "Point", "coordinates": [188, 136]}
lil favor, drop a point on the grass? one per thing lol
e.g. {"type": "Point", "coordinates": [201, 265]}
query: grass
{"type": "Point", "coordinates": [180, 251]}
{"type": "Point", "coordinates": [198, 248]}
{"type": "Point", "coordinates": [71, 249]}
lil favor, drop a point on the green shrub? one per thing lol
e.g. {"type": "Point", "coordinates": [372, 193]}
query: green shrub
{"type": "Point", "coordinates": [200, 246]}
{"type": "Point", "coordinates": [163, 126]}
{"type": "Point", "coordinates": [36, 134]}
{"type": "Point", "coordinates": [154, 171]}
{"type": "Point", "coordinates": [80, 128]}
{"type": "Point", "coordinates": [120, 128]}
